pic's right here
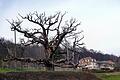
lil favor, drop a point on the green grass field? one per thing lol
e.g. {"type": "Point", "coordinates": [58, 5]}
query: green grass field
{"type": "Point", "coordinates": [4, 70]}
{"type": "Point", "coordinates": [103, 76]}
{"type": "Point", "coordinates": [109, 76]}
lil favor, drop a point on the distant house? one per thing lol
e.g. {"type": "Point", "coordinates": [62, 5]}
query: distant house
{"type": "Point", "coordinates": [106, 65]}
{"type": "Point", "coordinates": [90, 63]}
{"type": "Point", "coordinates": [87, 63]}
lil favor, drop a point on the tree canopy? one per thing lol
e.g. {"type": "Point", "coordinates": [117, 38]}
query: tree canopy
{"type": "Point", "coordinates": [50, 32]}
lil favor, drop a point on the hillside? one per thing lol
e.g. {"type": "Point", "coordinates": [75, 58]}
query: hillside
{"type": "Point", "coordinates": [7, 49]}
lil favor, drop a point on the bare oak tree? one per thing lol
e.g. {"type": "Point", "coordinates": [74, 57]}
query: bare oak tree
{"type": "Point", "coordinates": [51, 32]}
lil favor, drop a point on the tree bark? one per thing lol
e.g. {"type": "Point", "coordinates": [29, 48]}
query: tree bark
{"type": "Point", "coordinates": [48, 61]}
{"type": "Point", "coordinates": [49, 66]}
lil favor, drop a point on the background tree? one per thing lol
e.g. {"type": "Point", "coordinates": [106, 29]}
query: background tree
{"type": "Point", "coordinates": [50, 33]}
{"type": "Point", "coordinates": [73, 48]}
{"type": "Point", "coordinates": [6, 48]}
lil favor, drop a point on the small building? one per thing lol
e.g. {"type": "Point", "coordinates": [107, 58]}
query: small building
{"type": "Point", "coordinates": [87, 63]}
{"type": "Point", "coordinates": [106, 65]}
{"type": "Point", "coordinates": [90, 63]}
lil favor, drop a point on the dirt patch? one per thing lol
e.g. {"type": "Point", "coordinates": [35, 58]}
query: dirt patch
{"type": "Point", "coordinates": [62, 75]}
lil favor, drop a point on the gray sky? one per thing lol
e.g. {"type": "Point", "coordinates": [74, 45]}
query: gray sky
{"type": "Point", "coordinates": [100, 19]}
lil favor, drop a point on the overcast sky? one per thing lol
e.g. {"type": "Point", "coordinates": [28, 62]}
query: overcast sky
{"type": "Point", "coordinates": [100, 19]}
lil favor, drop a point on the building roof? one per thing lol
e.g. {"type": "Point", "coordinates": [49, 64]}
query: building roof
{"type": "Point", "coordinates": [105, 62]}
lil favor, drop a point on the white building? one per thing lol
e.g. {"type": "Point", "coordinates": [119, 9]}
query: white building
{"type": "Point", "coordinates": [87, 63]}
{"type": "Point", "coordinates": [90, 63]}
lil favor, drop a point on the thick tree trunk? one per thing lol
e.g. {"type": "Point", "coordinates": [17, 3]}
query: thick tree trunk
{"type": "Point", "coordinates": [48, 61]}
{"type": "Point", "coordinates": [49, 66]}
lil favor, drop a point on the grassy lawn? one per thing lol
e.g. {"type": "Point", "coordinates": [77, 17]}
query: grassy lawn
{"type": "Point", "coordinates": [4, 70]}
{"type": "Point", "coordinates": [109, 76]}
{"type": "Point", "coordinates": [103, 76]}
